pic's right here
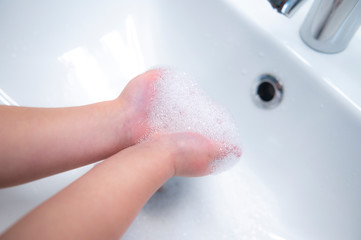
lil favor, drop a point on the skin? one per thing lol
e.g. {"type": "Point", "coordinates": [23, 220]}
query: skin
{"type": "Point", "coordinates": [38, 142]}
{"type": "Point", "coordinates": [102, 203]}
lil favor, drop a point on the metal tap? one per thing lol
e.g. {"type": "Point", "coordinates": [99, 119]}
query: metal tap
{"type": "Point", "coordinates": [329, 25]}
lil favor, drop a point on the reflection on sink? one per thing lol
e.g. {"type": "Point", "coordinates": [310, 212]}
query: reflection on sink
{"type": "Point", "coordinates": [205, 208]}
{"type": "Point", "coordinates": [300, 176]}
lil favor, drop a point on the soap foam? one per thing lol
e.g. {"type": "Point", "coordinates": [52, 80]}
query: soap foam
{"type": "Point", "coordinates": [180, 105]}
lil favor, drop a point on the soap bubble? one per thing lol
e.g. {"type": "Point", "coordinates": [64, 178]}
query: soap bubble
{"type": "Point", "coordinates": [180, 105]}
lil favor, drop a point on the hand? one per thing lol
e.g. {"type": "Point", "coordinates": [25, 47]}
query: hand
{"type": "Point", "coordinates": [135, 102]}
{"type": "Point", "coordinates": [102, 203]}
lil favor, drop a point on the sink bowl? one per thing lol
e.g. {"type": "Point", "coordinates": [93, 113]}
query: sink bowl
{"type": "Point", "coordinates": [300, 177]}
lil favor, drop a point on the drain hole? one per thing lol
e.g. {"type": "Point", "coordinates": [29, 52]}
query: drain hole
{"type": "Point", "coordinates": [268, 91]}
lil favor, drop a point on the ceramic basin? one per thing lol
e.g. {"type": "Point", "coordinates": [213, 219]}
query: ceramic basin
{"type": "Point", "coordinates": [300, 175]}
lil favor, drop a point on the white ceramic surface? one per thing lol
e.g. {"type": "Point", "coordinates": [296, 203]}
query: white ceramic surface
{"type": "Point", "coordinates": [300, 177]}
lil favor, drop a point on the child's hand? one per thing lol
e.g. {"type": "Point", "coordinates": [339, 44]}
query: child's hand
{"type": "Point", "coordinates": [134, 105]}
{"type": "Point", "coordinates": [189, 154]}
{"type": "Point", "coordinates": [102, 203]}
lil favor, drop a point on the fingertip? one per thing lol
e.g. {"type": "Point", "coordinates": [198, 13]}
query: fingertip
{"type": "Point", "coordinates": [224, 149]}
{"type": "Point", "coordinates": [226, 156]}
{"type": "Point", "coordinates": [151, 74]}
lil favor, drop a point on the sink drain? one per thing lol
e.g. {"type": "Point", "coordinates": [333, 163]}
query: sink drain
{"type": "Point", "coordinates": [268, 91]}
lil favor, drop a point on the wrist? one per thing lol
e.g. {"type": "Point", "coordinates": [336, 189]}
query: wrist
{"type": "Point", "coordinates": [120, 128]}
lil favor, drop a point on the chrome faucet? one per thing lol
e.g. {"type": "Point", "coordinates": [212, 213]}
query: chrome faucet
{"type": "Point", "coordinates": [329, 25]}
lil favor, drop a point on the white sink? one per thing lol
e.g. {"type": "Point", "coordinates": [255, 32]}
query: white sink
{"type": "Point", "coordinates": [300, 177]}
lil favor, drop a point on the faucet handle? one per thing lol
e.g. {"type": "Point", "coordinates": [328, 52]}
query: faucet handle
{"type": "Point", "coordinates": [286, 7]}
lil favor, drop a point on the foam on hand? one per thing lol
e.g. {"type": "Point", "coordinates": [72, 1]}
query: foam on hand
{"type": "Point", "coordinates": [180, 105]}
